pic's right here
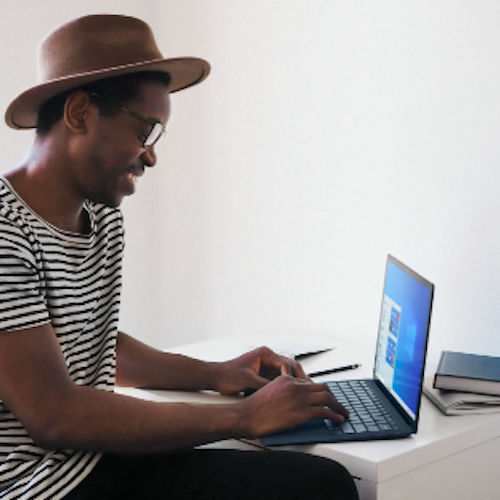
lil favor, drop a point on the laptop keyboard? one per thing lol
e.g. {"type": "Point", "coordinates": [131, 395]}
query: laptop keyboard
{"type": "Point", "coordinates": [366, 412]}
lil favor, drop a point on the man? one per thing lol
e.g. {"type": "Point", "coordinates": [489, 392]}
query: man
{"type": "Point", "coordinates": [102, 104]}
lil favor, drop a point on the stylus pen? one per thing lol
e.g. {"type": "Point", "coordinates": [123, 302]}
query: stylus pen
{"type": "Point", "coordinates": [334, 370]}
{"type": "Point", "coordinates": [304, 355]}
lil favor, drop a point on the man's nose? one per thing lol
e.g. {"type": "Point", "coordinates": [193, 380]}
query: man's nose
{"type": "Point", "coordinates": [149, 157]}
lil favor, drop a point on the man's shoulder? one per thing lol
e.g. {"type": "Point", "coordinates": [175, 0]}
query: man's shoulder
{"type": "Point", "coordinates": [103, 213]}
{"type": "Point", "coordinates": [16, 234]}
{"type": "Point", "coordinates": [10, 208]}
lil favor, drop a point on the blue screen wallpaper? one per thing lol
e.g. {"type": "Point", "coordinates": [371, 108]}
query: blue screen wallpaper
{"type": "Point", "coordinates": [414, 300]}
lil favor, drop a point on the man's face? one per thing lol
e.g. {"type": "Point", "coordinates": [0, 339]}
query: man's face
{"type": "Point", "coordinates": [116, 157]}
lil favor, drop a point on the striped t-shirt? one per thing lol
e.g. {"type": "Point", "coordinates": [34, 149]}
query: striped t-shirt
{"type": "Point", "coordinates": [71, 281]}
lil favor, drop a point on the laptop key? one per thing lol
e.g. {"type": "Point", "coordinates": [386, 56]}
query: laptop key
{"type": "Point", "coordinates": [368, 421]}
{"type": "Point", "coordinates": [347, 428]}
{"type": "Point", "coordinates": [333, 428]}
{"type": "Point", "coordinates": [359, 427]}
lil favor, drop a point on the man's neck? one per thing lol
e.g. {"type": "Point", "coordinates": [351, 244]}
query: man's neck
{"type": "Point", "coordinates": [38, 183]}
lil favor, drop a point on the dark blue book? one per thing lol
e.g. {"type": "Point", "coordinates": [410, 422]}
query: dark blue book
{"type": "Point", "coordinates": [458, 371]}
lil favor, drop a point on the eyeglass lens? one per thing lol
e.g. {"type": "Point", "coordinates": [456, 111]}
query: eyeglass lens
{"type": "Point", "coordinates": [155, 134]}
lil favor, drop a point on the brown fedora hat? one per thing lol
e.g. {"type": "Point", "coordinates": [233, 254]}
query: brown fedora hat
{"type": "Point", "coordinates": [92, 48]}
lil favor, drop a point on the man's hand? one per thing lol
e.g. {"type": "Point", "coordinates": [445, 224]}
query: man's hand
{"type": "Point", "coordinates": [285, 396]}
{"type": "Point", "coordinates": [286, 402]}
{"type": "Point", "coordinates": [253, 370]}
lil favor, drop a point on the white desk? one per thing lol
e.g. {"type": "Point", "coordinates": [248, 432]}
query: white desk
{"type": "Point", "coordinates": [449, 458]}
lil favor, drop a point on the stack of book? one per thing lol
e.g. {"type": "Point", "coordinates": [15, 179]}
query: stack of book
{"type": "Point", "coordinates": [465, 384]}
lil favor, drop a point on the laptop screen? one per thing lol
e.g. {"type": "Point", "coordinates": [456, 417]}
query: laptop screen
{"type": "Point", "coordinates": [403, 332]}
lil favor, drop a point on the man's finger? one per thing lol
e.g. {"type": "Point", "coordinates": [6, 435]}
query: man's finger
{"type": "Point", "coordinates": [291, 366]}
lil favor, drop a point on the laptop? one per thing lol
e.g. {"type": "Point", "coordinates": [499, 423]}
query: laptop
{"type": "Point", "coordinates": [387, 405]}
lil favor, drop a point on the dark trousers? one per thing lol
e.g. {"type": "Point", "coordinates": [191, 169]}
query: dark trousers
{"type": "Point", "coordinates": [210, 474]}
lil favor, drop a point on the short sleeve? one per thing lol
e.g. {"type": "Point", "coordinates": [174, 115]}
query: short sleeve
{"type": "Point", "coordinates": [22, 303]}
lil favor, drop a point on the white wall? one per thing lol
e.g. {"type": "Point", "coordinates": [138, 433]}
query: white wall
{"type": "Point", "coordinates": [329, 134]}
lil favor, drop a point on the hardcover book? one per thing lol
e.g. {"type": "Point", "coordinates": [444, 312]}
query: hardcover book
{"type": "Point", "coordinates": [464, 372]}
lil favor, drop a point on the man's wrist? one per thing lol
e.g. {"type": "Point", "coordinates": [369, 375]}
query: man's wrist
{"type": "Point", "coordinates": [213, 375]}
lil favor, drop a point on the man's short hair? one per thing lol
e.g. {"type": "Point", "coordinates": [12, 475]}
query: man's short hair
{"type": "Point", "coordinates": [120, 89]}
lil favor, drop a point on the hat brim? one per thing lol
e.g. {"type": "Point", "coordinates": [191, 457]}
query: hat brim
{"type": "Point", "coordinates": [184, 72]}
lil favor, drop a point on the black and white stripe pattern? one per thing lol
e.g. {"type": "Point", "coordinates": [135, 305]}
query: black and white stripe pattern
{"type": "Point", "coordinates": [72, 281]}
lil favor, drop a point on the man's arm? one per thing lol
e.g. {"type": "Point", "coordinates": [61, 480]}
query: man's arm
{"type": "Point", "coordinates": [36, 387]}
{"type": "Point", "coordinates": [138, 365]}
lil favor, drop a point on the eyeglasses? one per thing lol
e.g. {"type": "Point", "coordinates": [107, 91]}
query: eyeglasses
{"type": "Point", "coordinates": [157, 129]}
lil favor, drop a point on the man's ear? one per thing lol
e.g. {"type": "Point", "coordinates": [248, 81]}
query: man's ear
{"type": "Point", "coordinates": [76, 110]}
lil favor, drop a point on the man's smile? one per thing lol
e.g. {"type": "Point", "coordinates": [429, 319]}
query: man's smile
{"type": "Point", "coordinates": [132, 177]}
